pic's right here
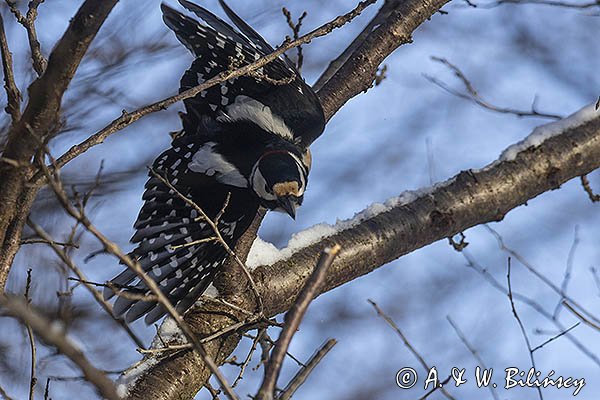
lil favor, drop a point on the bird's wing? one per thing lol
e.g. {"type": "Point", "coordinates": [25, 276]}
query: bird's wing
{"type": "Point", "coordinates": [275, 97]}
{"type": "Point", "coordinates": [173, 241]}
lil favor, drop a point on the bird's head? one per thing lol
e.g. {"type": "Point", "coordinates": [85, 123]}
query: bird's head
{"type": "Point", "coordinates": [279, 179]}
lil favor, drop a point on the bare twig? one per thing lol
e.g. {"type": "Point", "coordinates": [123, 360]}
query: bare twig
{"type": "Point", "coordinates": [152, 286]}
{"type": "Point", "coordinates": [553, 338]}
{"type": "Point", "coordinates": [554, 3]}
{"type": "Point", "coordinates": [33, 379]}
{"type": "Point", "coordinates": [409, 346]}
{"type": "Point", "coordinates": [304, 372]}
{"type": "Point", "coordinates": [260, 332]}
{"type": "Point", "coordinates": [169, 347]}
{"type": "Point", "coordinates": [127, 118]}
{"type": "Point", "coordinates": [523, 332]}
{"type": "Point", "coordinates": [588, 189]}
{"type": "Point", "coordinates": [13, 95]}
{"type": "Point", "coordinates": [538, 274]}
{"type": "Point", "coordinates": [472, 263]}
{"type": "Point", "coordinates": [472, 94]}
{"type": "Point", "coordinates": [51, 334]}
{"type": "Point", "coordinates": [568, 269]}
{"type": "Point", "coordinates": [43, 241]}
{"type": "Point", "coordinates": [580, 316]}
{"type": "Point", "coordinates": [384, 12]}
{"type": "Point", "coordinates": [292, 321]}
{"type": "Point", "coordinates": [436, 387]}
{"type": "Point", "coordinates": [295, 27]}
{"type": "Point", "coordinates": [28, 22]}
{"type": "Point", "coordinates": [219, 237]}
{"type": "Point", "coordinates": [4, 395]}
{"type": "Point", "coordinates": [265, 339]}
{"type": "Point", "coordinates": [473, 351]}
{"type": "Point", "coordinates": [82, 279]}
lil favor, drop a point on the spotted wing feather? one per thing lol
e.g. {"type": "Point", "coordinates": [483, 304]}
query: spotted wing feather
{"type": "Point", "coordinates": [218, 48]}
{"type": "Point", "coordinates": [174, 245]}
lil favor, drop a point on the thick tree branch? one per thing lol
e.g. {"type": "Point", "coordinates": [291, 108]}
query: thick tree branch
{"type": "Point", "coordinates": [357, 73]}
{"type": "Point", "coordinates": [182, 376]}
{"type": "Point", "coordinates": [472, 197]}
{"type": "Point", "coordinates": [41, 117]}
{"type": "Point", "coordinates": [39, 122]}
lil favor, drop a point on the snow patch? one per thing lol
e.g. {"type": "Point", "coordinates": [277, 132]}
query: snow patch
{"type": "Point", "coordinates": [129, 377]}
{"type": "Point", "coordinates": [170, 333]}
{"type": "Point", "coordinates": [264, 253]}
{"type": "Point", "coordinates": [544, 132]}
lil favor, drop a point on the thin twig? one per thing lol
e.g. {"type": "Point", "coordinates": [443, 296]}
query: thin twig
{"type": "Point", "coordinates": [266, 339]}
{"type": "Point", "coordinates": [580, 316]}
{"type": "Point", "coordinates": [409, 346]}
{"type": "Point", "coordinates": [567, 275]}
{"type": "Point", "coordinates": [170, 347]}
{"type": "Point", "coordinates": [47, 389]}
{"type": "Point", "coordinates": [304, 372]}
{"type": "Point", "coordinates": [13, 95]}
{"type": "Point", "coordinates": [43, 241]}
{"type": "Point", "coordinates": [295, 27]}
{"type": "Point", "coordinates": [292, 322]}
{"type": "Point", "coordinates": [472, 94]}
{"type": "Point", "coordinates": [51, 334]}
{"type": "Point", "coordinates": [553, 338]}
{"type": "Point", "coordinates": [436, 387]}
{"type": "Point", "coordinates": [588, 189]}
{"type": "Point", "coordinates": [4, 395]}
{"type": "Point", "coordinates": [33, 379]}
{"type": "Point", "coordinates": [127, 118]}
{"type": "Point", "coordinates": [484, 272]}
{"type": "Point", "coordinates": [28, 21]}
{"type": "Point", "coordinates": [217, 232]}
{"type": "Point", "coordinates": [523, 332]}
{"type": "Point", "coordinates": [259, 334]}
{"type": "Point", "coordinates": [82, 279]}
{"type": "Point", "coordinates": [539, 275]}
{"type": "Point", "coordinates": [135, 266]}
{"type": "Point", "coordinates": [473, 351]}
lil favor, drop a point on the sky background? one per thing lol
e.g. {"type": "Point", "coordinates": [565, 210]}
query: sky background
{"type": "Point", "coordinates": [404, 134]}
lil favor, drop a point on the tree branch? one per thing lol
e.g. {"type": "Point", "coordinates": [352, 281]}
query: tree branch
{"type": "Point", "coordinates": [55, 336]}
{"type": "Point", "coordinates": [39, 122]}
{"type": "Point", "coordinates": [292, 322]}
{"type": "Point", "coordinates": [357, 73]}
{"type": "Point", "coordinates": [471, 198]}
{"type": "Point", "coordinates": [13, 107]}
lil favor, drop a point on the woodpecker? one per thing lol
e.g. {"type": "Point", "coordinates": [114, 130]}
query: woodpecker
{"type": "Point", "coordinates": [243, 144]}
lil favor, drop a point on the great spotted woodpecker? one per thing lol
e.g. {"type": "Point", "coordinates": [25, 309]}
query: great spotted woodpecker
{"type": "Point", "coordinates": [245, 140]}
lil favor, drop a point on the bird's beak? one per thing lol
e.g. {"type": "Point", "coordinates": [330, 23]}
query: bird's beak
{"type": "Point", "coordinates": [287, 204]}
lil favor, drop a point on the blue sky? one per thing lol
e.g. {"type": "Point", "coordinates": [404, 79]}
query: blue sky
{"type": "Point", "coordinates": [401, 135]}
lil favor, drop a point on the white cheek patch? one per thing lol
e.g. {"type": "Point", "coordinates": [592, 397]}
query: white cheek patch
{"type": "Point", "coordinates": [302, 172]}
{"type": "Point", "coordinates": [259, 185]}
{"type": "Point", "coordinates": [208, 162]}
{"type": "Point", "coordinates": [249, 109]}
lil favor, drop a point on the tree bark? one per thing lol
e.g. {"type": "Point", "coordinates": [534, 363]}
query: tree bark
{"type": "Point", "coordinates": [470, 198]}
{"type": "Point", "coordinates": [38, 123]}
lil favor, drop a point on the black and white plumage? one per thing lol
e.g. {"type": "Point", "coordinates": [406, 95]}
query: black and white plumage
{"type": "Point", "coordinates": [245, 139]}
